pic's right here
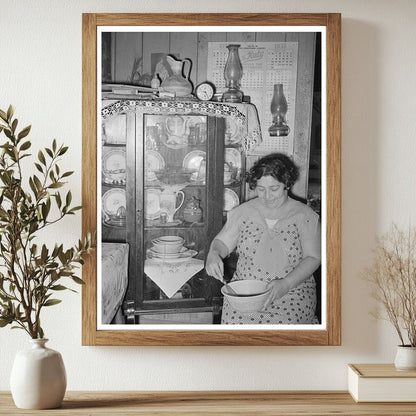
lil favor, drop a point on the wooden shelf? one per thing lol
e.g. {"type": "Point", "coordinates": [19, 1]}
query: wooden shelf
{"type": "Point", "coordinates": [180, 403]}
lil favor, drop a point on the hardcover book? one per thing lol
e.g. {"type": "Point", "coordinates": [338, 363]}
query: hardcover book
{"type": "Point", "coordinates": [381, 383]}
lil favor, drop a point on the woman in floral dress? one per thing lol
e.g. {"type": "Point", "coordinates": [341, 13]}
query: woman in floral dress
{"type": "Point", "coordinates": [278, 241]}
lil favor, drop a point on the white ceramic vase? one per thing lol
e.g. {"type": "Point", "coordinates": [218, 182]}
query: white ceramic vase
{"type": "Point", "coordinates": [405, 358]}
{"type": "Point", "coordinates": [38, 377]}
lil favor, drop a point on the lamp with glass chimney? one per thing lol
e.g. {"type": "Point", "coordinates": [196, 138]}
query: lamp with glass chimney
{"type": "Point", "coordinates": [278, 108]}
{"type": "Point", "coordinates": [233, 73]}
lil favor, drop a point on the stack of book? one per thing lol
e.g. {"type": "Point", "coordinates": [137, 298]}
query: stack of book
{"type": "Point", "coordinates": [381, 383]}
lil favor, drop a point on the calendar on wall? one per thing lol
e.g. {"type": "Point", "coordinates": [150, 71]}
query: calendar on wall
{"type": "Point", "coordinates": [264, 64]}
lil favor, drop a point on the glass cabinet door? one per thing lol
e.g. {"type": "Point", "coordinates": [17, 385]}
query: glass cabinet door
{"type": "Point", "coordinates": [178, 195]}
{"type": "Point", "coordinates": [174, 204]}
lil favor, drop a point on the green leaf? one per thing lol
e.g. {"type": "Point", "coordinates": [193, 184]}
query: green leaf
{"type": "Point", "coordinates": [57, 250]}
{"type": "Point", "coordinates": [41, 157]}
{"type": "Point", "coordinates": [40, 331]}
{"type": "Point", "coordinates": [37, 182]}
{"type": "Point", "coordinates": [14, 125]}
{"type": "Point", "coordinates": [24, 132]}
{"type": "Point", "coordinates": [10, 112]}
{"type": "Point", "coordinates": [72, 210]}
{"type": "Point", "coordinates": [8, 133]}
{"type": "Point", "coordinates": [62, 257]}
{"type": "Point", "coordinates": [54, 145]}
{"type": "Point", "coordinates": [68, 199]}
{"type": "Point", "coordinates": [45, 211]}
{"type": "Point", "coordinates": [67, 174]}
{"type": "Point", "coordinates": [51, 302]}
{"type": "Point", "coordinates": [39, 167]}
{"type": "Point", "coordinates": [5, 298]}
{"type": "Point", "coordinates": [76, 279]}
{"type": "Point", "coordinates": [3, 115]}
{"type": "Point", "coordinates": [5, 321]}
{"type": "Point", "coordinates": [56, 185]}
{"type": "Point", "coordinates": [44, 253]}
{"type": "Point", "coordinates": [49, 152]}
{"type": "Point", "coordinates": [63, 150]}
{"type": "Point", "coordinates": [58, 199]}
{"type": "Point", "coordinates": [33, 187]}
{"type": "Point", "coordinates": [59, 287]}
{"type": "Point", "coordinates": [25, 145]}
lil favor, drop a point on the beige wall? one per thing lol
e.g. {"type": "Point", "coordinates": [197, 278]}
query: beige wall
{"type": "Point", "coordinates": [40, 73]}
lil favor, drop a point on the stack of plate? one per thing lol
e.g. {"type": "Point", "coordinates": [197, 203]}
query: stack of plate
{"type": "Point", "coordinates": [183, 255]}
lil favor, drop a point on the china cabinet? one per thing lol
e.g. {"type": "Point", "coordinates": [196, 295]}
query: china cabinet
{"type": "Point", "coordinates": [169, 172]}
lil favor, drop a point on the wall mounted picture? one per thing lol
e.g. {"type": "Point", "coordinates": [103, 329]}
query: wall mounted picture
{"type": "Point", "coordinates": [211, 172]}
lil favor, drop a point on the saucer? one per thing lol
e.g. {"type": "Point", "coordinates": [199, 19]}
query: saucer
{"type": "Point", "coordinates": [187, 254]}
{"type": "Point", "coordinates": [156, 253]}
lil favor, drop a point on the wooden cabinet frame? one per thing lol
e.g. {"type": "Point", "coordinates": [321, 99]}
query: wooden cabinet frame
{"type": "Point", "coordinates": [212, 221]}
{"type": "Point", "coordinates": [331, 334]}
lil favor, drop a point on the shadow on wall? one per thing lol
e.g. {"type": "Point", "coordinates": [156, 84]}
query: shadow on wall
{"type": "Point", "coordinates": [360, 180]}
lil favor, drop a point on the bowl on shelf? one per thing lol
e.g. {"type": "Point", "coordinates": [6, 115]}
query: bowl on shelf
{"type": "Point", "coordinates": [168, 244]}
{"type": "Point", "coordinates": [246, 295]}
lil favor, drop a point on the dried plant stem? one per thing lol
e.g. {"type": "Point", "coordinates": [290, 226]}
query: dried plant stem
{"type": "Point", "coordinates": [393, 276]}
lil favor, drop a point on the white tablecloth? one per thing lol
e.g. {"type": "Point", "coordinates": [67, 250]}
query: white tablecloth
{"type": "Point", "coordinates": [170, 277]}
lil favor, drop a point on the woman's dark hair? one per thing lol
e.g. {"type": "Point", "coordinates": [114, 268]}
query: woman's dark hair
{"type": "Point", "coordinates": [277, 165]}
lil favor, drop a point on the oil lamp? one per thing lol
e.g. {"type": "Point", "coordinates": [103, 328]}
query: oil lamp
{"type": "Point", "coordinates": [278, 108]}
{"type": "Point", "coordinates": [233, 72]}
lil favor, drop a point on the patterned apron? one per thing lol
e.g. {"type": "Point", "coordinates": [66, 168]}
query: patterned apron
{"type": "Point", "coordinates": [266, 254]}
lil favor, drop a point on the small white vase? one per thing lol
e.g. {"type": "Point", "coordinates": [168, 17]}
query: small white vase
{"type": "Point", "coordinates": [405, 358]}
{"type": "Point", "coordinates": [38, 377]}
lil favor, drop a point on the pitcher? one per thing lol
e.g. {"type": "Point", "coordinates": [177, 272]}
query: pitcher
{"type": "Point", "coordinates": [177, 83]}
{"type": "Point", "coordinates": [168, 203]}
{"type": "Point", "coordinates": [177, 129]}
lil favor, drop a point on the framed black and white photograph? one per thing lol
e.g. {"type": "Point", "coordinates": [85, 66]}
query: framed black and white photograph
{"type": "Point", "coordinates": [211, 173]}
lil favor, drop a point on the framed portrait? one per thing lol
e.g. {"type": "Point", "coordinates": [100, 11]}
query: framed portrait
{"type": "Point", "coordinates": [211, 173]}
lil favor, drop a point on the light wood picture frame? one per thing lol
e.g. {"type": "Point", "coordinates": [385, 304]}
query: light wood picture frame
{"type": "Point", "coordinates": [329, 332]}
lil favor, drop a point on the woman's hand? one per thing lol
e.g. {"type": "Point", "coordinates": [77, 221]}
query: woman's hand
{"type": "Point", "coordinates": [279, 288]}
{"type": "Point", "coordinates": [215, 266]}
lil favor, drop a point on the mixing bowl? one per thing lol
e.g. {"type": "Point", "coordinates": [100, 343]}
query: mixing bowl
{"type": "Point", "coordinates": [251, 295]}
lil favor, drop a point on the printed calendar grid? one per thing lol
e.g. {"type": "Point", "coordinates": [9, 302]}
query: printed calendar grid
{"type": "Point", "coordinates": [264, 64]}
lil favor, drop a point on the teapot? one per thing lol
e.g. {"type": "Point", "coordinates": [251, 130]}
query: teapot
{"type": "Point", "coordinates": [177, 129]}
{"type": "Point", "coordinates": [177, 83]}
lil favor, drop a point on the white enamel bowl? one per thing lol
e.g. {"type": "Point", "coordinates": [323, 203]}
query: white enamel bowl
{"type": "Point", "coordinates": [251, 295]}
{"type": "Point", "coordinates": [168, 244]}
